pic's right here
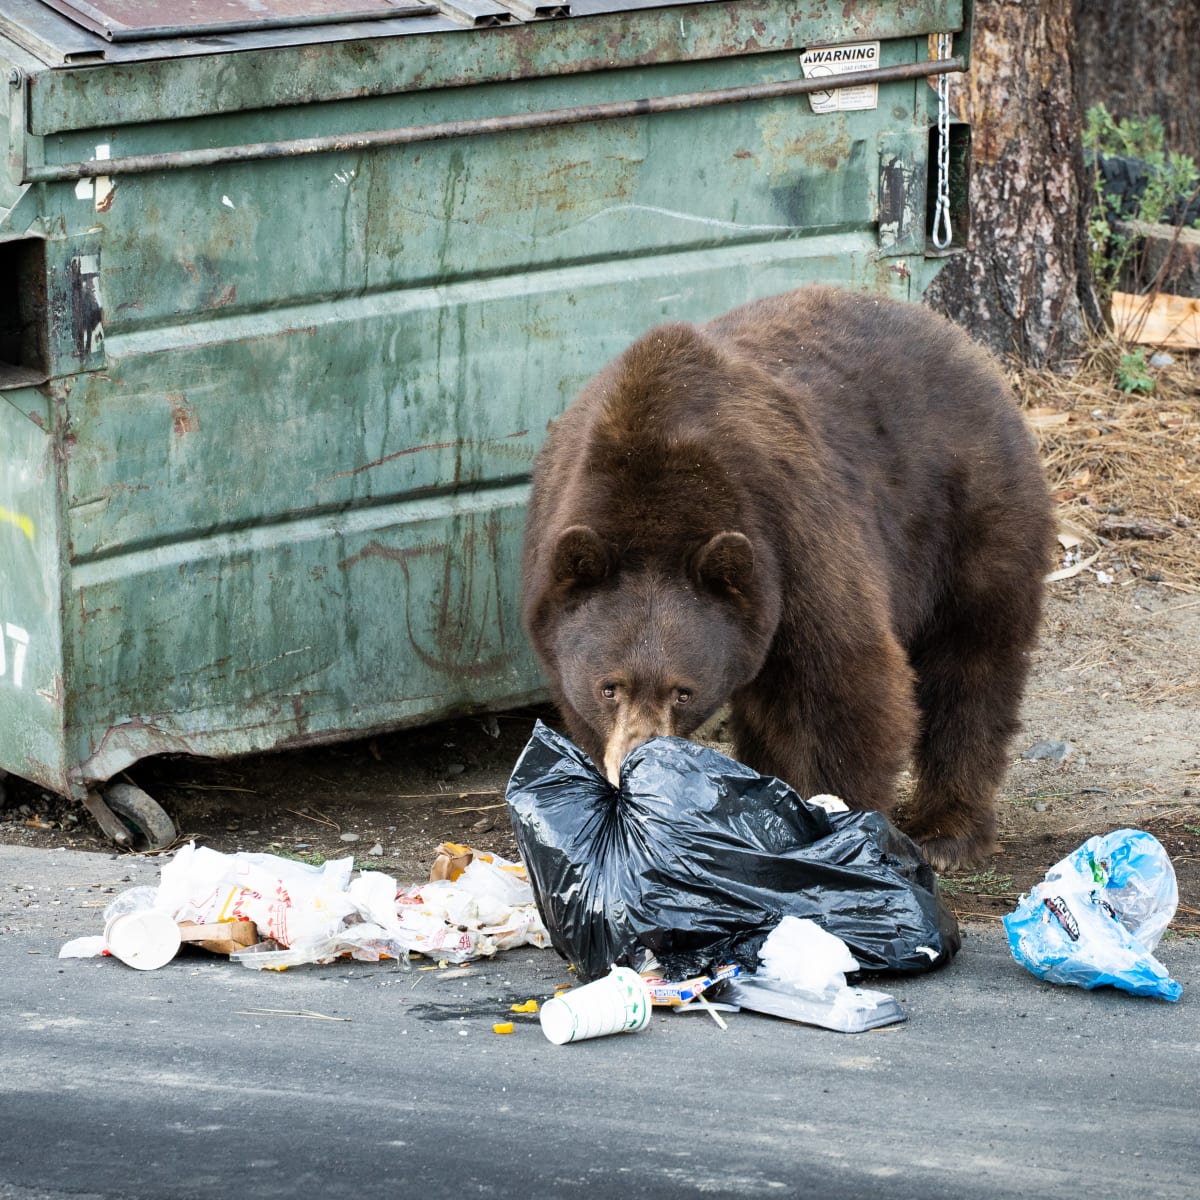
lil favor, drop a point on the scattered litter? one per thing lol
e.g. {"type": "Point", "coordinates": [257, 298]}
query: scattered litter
{"type": "Point", "coordinates": [803, 978]}
{"type": "Point", "coordinates": [271, 912]}
{"type": "Point", "coordinates": [376, 850]}
{"type": "Point", "coordinates": [530, 1006]}
{"type": "Point", "coordinates": [712, 1012]}
{"type": "Point", "coordinates": [224, 937]}
{"type": "Point", "coordinates": [1073, 566]}
{"type": "Point", "coordinates": [615, 878]}
{"type": "Point", "coordinates": [144, 940]}
{"type": "Point", "coordinates": [617, 1003]}
{"type": "Point", "coordinates": [1096, 918]}
{"type": "Point", "coordinates": [502, 1027]}
{"type": "Point", "coordinates": [681, 993]}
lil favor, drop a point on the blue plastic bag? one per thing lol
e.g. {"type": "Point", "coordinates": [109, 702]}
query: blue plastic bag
{"type": "Point", "coordinates": [1098, 915]}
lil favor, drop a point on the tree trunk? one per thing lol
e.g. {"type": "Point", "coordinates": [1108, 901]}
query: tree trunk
{"type": "Point", "coordinates": [1139, 59]}
{"type": "Point", "coordinates": [1023, 286]}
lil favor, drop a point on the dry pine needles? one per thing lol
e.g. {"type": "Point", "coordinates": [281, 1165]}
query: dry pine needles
{"type": "Point", "coordinates": [1124, 468]}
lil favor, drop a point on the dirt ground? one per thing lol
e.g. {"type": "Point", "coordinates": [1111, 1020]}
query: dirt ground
{"type": "Point", "coordinates": [1114, 690]}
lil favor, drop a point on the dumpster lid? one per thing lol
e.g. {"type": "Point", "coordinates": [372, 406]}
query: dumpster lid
{"type": "Point", "coordinates": [85, 32]}
{"type": "Point", "coordinates": [138, 20]}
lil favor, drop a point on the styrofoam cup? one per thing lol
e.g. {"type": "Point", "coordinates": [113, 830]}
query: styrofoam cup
{"type": "Point", "coordinates": [618, 1003]}
{"type": "Point", "coordinates": [146, 940]}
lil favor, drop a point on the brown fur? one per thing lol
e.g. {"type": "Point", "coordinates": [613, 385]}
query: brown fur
{"type": "Point", "coordinates": [822, 508]}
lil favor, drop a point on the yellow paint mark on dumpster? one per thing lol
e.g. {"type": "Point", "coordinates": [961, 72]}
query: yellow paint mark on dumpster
{"type": "Point", "coordinates": [20, 520]}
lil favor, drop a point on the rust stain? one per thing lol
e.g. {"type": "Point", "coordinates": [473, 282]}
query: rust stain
{"type": "Point", "coordinates": [105, 204]}
{"type": "Point", "coordinates": [183, 418]}
{"type": "Point", "coordinates": [457, 444]}
{"type": "Point", "coordinates": [399, 554]}
{"type": "Point", "coordinates": [298, 713]}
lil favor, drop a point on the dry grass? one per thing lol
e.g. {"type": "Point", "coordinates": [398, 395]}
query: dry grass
{"type": "Point", "coordinates": [1125, 469]}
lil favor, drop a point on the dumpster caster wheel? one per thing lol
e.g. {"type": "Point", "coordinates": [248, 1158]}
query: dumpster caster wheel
{"type": "Point", "coordinates": [142, 815]}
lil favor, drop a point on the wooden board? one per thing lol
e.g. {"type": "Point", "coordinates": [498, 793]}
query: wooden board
{"type": "Point", "coordinates": [1163, 320]}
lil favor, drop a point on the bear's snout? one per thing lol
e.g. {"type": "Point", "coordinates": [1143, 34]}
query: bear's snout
{"type": "Point", "coordinates": [634, 725]}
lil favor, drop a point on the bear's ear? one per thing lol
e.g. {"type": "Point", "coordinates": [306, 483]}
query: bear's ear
{"type": "Point", "coordinates": [581, 559]}
{"type": "Point", "coordinates": [725, 564]}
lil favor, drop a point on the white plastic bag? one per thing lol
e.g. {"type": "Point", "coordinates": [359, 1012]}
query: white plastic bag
{"type": "Point", "coordinates": [291, 902]}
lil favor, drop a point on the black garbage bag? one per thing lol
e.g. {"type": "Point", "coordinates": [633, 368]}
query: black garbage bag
{"type": "Point", "coordinates": [697, 858]}
{"type": "Point", "coordinates": [1124, 181]}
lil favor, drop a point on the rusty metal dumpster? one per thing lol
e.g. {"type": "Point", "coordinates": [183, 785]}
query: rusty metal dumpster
{"type": "Point", "coordinates": [289, 291]}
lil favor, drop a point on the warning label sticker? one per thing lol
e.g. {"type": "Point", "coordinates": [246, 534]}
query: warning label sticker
{"type": "Point", "coordinates": [842, 60]}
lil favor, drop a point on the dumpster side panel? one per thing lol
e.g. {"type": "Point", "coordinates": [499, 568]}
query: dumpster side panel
{"type": "Point", "coordinates": [261, 235]}
{"type": "Point", "coordinates": [297, 399]}
{"type": "Point", "coordinates": [291, 636]}
{"type": "Point", "coordinates": [383, 339]}
{"type": "Point", "coordinates": [402, 606]}
{"type": "Point", "coordinates": [390, 313]}
{"type": "Point", "coordinates": [31, 673]}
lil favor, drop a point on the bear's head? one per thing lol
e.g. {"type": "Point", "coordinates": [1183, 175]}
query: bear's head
{"type": "Point", "coordinates": [644, 651]}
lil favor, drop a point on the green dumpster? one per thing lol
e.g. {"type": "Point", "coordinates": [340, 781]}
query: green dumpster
{"type": "Point", "coordinates": [290, 289]}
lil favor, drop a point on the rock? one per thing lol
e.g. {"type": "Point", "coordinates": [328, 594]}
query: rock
{"type": "Point", "coordinates": [1057, 752]}
{"type": "Point", "coordinates": [1161, 359]}
{"type": "Point", "coordinates": [376, 850]}
{"type": "Point", "coordinates": [348, 837]}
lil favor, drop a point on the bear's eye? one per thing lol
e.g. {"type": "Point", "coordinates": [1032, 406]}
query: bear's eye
{"type": "Point", "coordinates": [683, 696]}
{"type": "Point", "coordinates": [609, 691]}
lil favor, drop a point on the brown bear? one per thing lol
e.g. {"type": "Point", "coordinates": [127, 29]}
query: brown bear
{"type": "Point", "coordinates": [824, 509]}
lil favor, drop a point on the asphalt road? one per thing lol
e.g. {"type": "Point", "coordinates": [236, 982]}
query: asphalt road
{"type": "Point", "coordinates": [179, 1083]}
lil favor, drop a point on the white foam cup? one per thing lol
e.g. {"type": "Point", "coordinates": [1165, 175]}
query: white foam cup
{"type": "Point", "coordinates": [618, 1003]}
{"type": "Point", "coordinates": [146, 940]}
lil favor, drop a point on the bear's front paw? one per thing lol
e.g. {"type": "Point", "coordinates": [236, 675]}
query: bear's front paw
{"type": "Point", "coordinates": [946, 854]}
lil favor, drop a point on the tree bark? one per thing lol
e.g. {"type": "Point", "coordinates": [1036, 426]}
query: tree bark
{"type": "Point", "coordinates": [1139, 59]}
{"type": "Point", "coordinates": [1023, 286]}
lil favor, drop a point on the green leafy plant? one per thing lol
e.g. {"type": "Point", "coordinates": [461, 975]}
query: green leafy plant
{"type": "Point", "coordinates": [1133, 374]}
{"type": "Point", "coordinates": [1113, 241]}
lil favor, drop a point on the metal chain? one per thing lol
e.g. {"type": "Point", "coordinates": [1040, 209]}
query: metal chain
{"type": "Point", "coordinates": [942, 232]}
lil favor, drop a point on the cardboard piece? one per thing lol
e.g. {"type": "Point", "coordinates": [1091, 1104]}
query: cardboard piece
{"type": "Point", "coordinates": [224, 937]}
